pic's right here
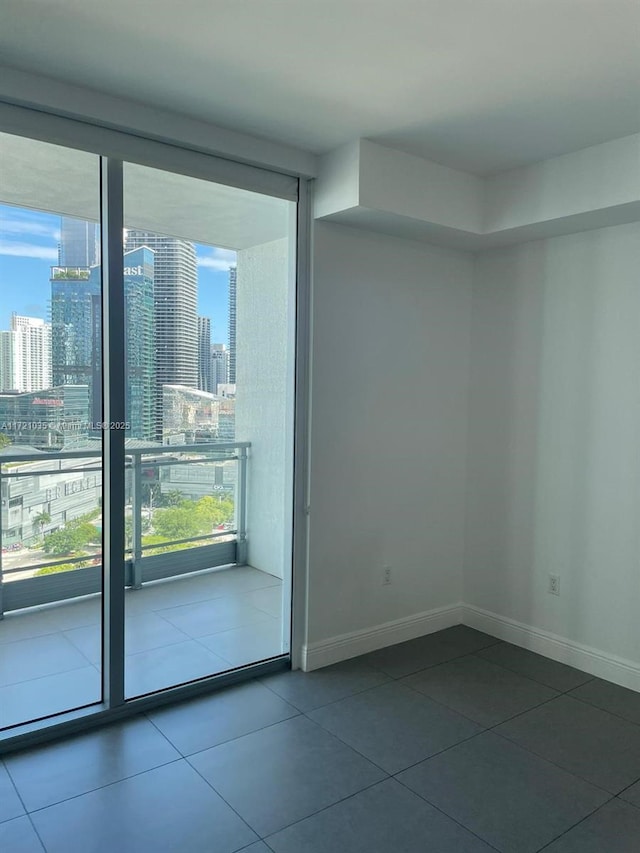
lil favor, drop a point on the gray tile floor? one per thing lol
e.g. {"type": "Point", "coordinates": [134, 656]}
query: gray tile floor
{"type": "Point", "coordinates": [452, 743]}
{"type": "Point", "coordinates": [175, 631]}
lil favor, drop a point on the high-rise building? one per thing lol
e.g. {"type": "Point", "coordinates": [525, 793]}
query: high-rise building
{"type": "Point", "coordinates": [233, 277]}
{"type": "Point", "coordinates": [197, 416]}
{"type": "Point", "coordinates": [205, 379]}
{"type": "Point", "coordinates": [76, 332]}
{"type": "Point", "coordinates": [175, 312]}
{"type": "Point", "coordinates": [79, 243]}
{"type": "Point", "coordinates": [219, 366]}
{"type": "Point", "coordinates": [140, 390]}
{"type": "Point", "coordinates": [7, 368]}
{"type": "Point", "coordinates": [48, 419]}
{"type": "Point", "coordinates": [25, 355]}
{"type": "Point", "coordinates": [76, 336]}
{"type": "Point", "coordinates": [32, 353]}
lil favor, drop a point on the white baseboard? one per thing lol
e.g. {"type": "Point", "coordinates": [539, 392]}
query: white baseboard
{"type": "Point", "coordinates": [619, 670]}
{"type": "Point", "coordinates": [610, 667]}
{"type": "Point", "coordinates": [345, 646]}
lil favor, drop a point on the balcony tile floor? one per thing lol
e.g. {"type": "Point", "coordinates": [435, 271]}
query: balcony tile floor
{"type": "Point", "coordinates": [175, 631]}
{"type": "Point", "coordinates": [368, 756]}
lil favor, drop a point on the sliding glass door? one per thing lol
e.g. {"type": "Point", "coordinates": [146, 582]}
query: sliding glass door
{"type": "Point", "coordinates": [50, 430]}
{"type": "Point", "coordinates": [158, 350]}
{"type": "Point", "coordinates": [209, 426]}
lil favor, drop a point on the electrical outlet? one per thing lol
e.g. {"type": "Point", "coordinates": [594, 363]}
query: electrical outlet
{"type": "Point", "coordinates": [386, 575]}
{"type": "Point", "coordinates": [554, 585]}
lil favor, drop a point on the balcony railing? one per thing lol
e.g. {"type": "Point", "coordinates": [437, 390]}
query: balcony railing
{"type": "Point", "coordinates": [48, 498]}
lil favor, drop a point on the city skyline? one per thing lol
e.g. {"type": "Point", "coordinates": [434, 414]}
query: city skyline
{"type": "Point", "coordinates": [29, 242]}
{"type": "Point", "coordinates": [174, 317]}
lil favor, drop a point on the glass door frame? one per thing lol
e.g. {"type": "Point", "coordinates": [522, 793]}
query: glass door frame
{"type": "Point", "coordinates": [107, 144]}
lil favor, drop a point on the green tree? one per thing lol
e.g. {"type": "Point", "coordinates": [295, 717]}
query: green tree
{"type": "Point", "coordinates": [213, 511]}
{"type": "Point", "coordinates": [70, 539]}
{"type": "Point", "coordinates": [161, 545]}
{"type": "Point", "coordinates": [61, 543]}
{"type": "Point", "coordinates": [172, 498]}
{"type": "Point", "coordinates": [62, 567]}
{"type": "Point", "coordinates": [41, 519]}
{"type": "Point", "coordinates": [5, 441]}
{"type": "Point", "coordinates": [178, 522]}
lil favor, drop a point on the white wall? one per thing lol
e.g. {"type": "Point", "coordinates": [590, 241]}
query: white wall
{"type": "Point", "coordinates": [391, 330]}
{"type": "Point", "coordinates": [596, 178]}
{"type": "Point", "coordinates": [554, 459]}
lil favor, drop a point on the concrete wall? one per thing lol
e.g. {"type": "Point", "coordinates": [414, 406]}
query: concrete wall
{"type": "Point", "coordinates": [554, 478]}
{"type": "Point", "coordinates": [264, 405]}
{"type": "Point", "coordinates": [391, 330]}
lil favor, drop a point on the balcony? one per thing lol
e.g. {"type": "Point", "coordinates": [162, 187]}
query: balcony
{"type": "Point", "coordinates": [193, 607]}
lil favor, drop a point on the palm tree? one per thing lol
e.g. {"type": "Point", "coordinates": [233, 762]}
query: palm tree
{"type": "Point", "coordinates": [41, 519]}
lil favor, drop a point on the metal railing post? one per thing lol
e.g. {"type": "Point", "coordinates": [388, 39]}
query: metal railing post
{"type": "Point", "coordinates": [113, 447]}
{"type": "Point", "coordinates": [136, 520]}
{"type": "Point", "coordinates": [241, 508]}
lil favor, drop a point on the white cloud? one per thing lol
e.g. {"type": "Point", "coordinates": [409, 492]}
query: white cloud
{"type": "Point", "coordinates": [218, 259]}
{"type": "Point", "coordinates": [28, 225]}
{"type": "Point", "coordinates": [28, 250]}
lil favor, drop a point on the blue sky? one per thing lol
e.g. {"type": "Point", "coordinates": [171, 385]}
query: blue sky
{"type": "Point", "coordinates": [29, 247]}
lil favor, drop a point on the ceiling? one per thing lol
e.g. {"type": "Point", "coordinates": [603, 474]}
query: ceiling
{"type": "Point", "coordinates": [60, 180]}
{"type": "Point", "coordinates": [479, 85]}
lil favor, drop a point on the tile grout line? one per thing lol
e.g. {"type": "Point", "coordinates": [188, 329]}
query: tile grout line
{"type": "Point", "coordinates": [38, 836]}
{"type": "Point", "coordinates": [106, 785]}
{"type": "Point", "coordinates": [441, 704]}
{"type": "Point", "coordinates": [387, 775]}
{"type": "Point", "coordinates": [228, 804]}
{"type": "Point", "coordinates": [348, 746]}
{"type": "Point", "coordinates": [399, 679]}
{"type": "Point", "coordinates": [436, 754]}
{"type": "Point", "coordinates": [604, 710]}
{"type": "Point", "coordinates": [442, 812]}
{"type": "Point", "coordinates": [145, 715]}
{"type": "Point", "coordinates": [189, 755]}
{"type": "Point", "coordinates": [76, 646]}
{"type": "Point", "coordinates": [392, 775]}
{"type": "Point", "coordinates": [466, 717]}
{"type": "Point", "coordinates": [630, 785]}
{"type": "Point", "coordinates": [48, 675]}
{"type": "Point", "coordinates": [530, 677]}
{"type": "Point", "coordinates": [324, 704]}
{"type": "Point", "coordinates": [526, 711]}
{"type": "Point", "coordinates": [474, 655]}
{"type": "Point", "coordinates": [324, 809]}
{"type": "Point", "coordinates": [555, 764]}
{"type": "Point", "coordinates": [390, 679]}
{"type": "Point", "coordinates": [429, 666]}
{"type": "Point", "coordinates": [15, 787]}
{"type": "Point", "coordinates": [234, 628]}
{"type": "Point", "coordinates": [544, 758]}
{"type": "Point", "coordinates": [586, 817]}
{"type": "Point", "coordinates": [477, 654]}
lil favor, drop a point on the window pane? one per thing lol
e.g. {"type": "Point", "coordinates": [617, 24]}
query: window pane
{"type": "Point", "coordinates": [50, 439]}
{"type": "Point", "coordinates": [209, 294]}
